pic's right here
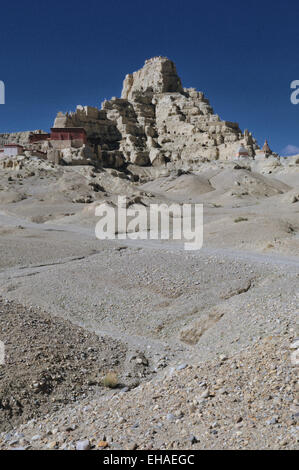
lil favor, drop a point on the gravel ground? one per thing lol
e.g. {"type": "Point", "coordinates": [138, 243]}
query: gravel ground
{"type": "Point", "coordinates": [148, 297]}
{"type": "Point", "coordinates": [246, 401]}
{"type": "Point", "coordinates": [49, 363]}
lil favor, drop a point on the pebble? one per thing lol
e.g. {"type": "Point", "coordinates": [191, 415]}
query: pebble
{"type": "Point", "coordinates": [170, 417]}
{"type": "Point", "coordinates": [223, 357]}
{"type": "Point", "coordinates": [83, 445]}
{"type": "Point", "coordinates": [103, 444]}
{"type": "Point", "coordinates": [52, 445]}
{"type": "Point", "coordinates": [193, 439]}
{"type": "Point", "coordinates": [182, 366]}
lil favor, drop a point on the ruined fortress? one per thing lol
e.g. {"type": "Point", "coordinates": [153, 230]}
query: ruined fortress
{"type": "Point", "coordinates": [155, 122]}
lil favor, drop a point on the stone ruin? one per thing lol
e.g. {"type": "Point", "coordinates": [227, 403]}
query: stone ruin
{"type": "Point", "coordinates": [156, 121]}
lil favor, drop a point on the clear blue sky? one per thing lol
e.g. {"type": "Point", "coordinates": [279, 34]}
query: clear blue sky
{"type": "Point", "coordinates": [243, 55]}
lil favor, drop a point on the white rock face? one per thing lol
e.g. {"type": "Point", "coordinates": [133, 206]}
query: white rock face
{"type": "Point", "coordinates": [290, 161]}
{"type": "Point", "coordinates": [157, 121]}
{"type": "Point", "coordinates": [82, 156]}
{"type": "Point", "coordinates": [158, 75]}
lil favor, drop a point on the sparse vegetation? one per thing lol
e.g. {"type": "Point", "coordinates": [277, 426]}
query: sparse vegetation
{"type": "Point", "coordinates": [110, 380]}
{"type": "Point", "coordinates": [269, 246]}
{"type": "Point", "coordinates": [240, 219]}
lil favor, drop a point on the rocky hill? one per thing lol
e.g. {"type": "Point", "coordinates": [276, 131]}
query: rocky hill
{"type": "Point", "coordinates": [156, 121]}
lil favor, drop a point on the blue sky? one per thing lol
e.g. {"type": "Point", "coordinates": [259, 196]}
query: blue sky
{"type": "Point", "coordinates": [243, 56]}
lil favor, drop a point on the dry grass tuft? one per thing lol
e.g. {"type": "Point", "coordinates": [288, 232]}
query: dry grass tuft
{"type": "Point", "coordinates": [110, 380]}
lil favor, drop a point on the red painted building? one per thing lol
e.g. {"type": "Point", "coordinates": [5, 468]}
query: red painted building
{"type": "Point", "coordinates": [34, 138]}
{"type": "Point", "coordinates": [69, 133]}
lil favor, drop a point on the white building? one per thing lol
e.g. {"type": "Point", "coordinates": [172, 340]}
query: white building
{"type": "Point", "coordinates": [242, 152]}
{"type": "Point", "coordinates": [11, 150]}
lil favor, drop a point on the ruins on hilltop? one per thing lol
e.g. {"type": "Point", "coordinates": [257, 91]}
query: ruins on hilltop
{"type": "Point", "coordinates": [156, 121]}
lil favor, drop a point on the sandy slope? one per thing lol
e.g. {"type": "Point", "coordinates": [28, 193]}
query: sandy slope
{"type": "Point", "coordinates": [158, 300]}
